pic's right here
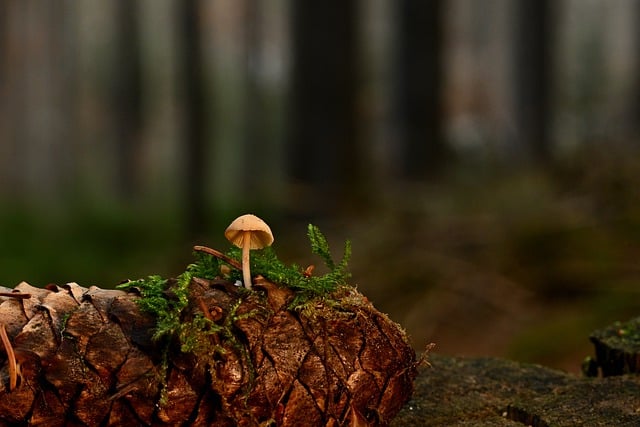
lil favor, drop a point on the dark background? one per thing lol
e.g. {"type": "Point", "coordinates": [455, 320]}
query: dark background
{"type": "Point", "coordinates": [481, 156]}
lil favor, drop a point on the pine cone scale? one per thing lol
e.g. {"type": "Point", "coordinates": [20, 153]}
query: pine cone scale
{"type": "Point", "coordinates": [89, 359]}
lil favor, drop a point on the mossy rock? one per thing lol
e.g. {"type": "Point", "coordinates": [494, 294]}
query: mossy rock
{"type": "Point", "coordinates": [617, 349]}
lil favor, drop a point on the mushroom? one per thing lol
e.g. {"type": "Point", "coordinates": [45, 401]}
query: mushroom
{"type": "Point", "coordinates": [248, 232]}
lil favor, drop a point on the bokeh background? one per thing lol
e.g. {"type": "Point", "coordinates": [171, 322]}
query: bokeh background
{"type": "Point", "coordinates": [481, 156]}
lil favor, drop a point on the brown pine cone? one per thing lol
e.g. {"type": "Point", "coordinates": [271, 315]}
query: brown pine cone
{"type": "Point", "coordinates": [86, 357]}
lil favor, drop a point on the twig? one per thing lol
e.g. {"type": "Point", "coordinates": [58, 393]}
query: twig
{"type": "Point", "coordinates": [15, 295]}
{"type": "Point", "coordinates": [11, 358]}
{"type": "Point", "coordinates": [232, 262]}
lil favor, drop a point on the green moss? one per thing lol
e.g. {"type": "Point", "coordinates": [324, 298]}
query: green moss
{"type": "Point", "coordinates": [623, 336]}
{"type": "Point", "coordinates": [195, 335]}
{"type": "Point", "coordinates": [63, 322]}
{"type": "Point", "coordinates": [166, 302]}
{"type": "Point", "coordinates": [166, 299]}
{"type": "Point", "coordinates": [307, 287]}
{"type": "Point", "coordinates": [205, 266]}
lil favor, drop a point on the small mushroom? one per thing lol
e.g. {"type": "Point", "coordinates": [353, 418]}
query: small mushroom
{"type": "Point", "coordinates": [248, 232]}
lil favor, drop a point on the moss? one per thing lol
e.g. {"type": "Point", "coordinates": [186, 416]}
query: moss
{"type": "Point", "coordinates": [307, 286]}
{"type": "Point", "coordinates": [624, 336]}
{"type": "Point", "coordinates": [166, 299]}
{"type": "Point", "coordinates": [155, 289]}
{"type": "Point", "coordinates": [63, 322]}
{"type": "Point", "coordinates": [195, 336]}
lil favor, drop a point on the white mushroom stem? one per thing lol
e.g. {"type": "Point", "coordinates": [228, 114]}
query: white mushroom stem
{"type": "Point", "coordinates": [246, 267]}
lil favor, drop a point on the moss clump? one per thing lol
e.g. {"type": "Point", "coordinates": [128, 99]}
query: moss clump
{"type": "Point", "coordinates": [166, 302]}
{"type": "Point", "coordinates": [617, 349]}
{"type": "Point", "coordinates": [624, 336]}
{"type": "Point", "coordinates": [166, 299]}
{"type": "Point", "coordinates": [629, 333]}
{"type": "Point", "coordinates": [306, 286]}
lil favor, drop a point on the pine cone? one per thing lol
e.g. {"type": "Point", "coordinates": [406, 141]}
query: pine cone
{"type": "Point", "coordinates": [87, 357]}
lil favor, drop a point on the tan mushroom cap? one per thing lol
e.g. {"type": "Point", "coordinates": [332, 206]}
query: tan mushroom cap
{"type": "Point", "coordinates": [261, 235]}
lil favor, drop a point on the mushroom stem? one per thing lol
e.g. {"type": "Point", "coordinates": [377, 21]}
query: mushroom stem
{"type": "Point", "coordinates": [246, 267]}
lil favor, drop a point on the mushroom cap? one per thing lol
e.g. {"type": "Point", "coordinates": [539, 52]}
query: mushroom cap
{"type": "Point", "coordinates": [261, 235]}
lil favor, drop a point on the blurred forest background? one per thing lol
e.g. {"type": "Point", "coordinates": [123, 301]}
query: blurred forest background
{"type": "Point", "coordinates": [482, 156]}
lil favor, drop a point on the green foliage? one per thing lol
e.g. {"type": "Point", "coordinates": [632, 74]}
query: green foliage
{"type": "Point", "coordinates": [156, 300]}
{"type": "Point", "coordinates": [195, 336]}
{"type": "Point", "coordinates": [205, 266]}
{"type": "Point", "coordinates": [266, 263]}
{"type": "Point", "coordinates": [320, 246]}
{"type": "Point", "coordinates": [152, 290]}
{"type": "Point", "coordinates": [166, 299]}
{"type": "Point", "coordinates": [167, 304]}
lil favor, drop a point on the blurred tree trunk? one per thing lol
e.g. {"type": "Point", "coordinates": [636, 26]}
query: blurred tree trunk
{"type": "Point", "coordinates": [419, 88]}
{"type": "Point", "coordinates": [48, 99]}
{"type": "Point", "coordinates": [63, 94]}
{"type": "Point", "coordinates": [634, 116]}
{"type": "Point", "coordinates": [323, 119]}
{"type": "Point", "coordinates": [258, 142]}
{"type": "Point", "coordinates": [14, 99]}
{"type": "Point", "coordinates": [533, 56]}
{"type": "Point", "coordinates": [37, 98]}
{"type": "Point", "coordinates": [127, 98]}
{"type": "Point", "coordinates": [254, 144]}
{"type": "Point", "coordinates": [4, 39]}
{"type": "Point", "coordinates": [194, 108]}
{"type": "Point", "coordinates": [12, 78]}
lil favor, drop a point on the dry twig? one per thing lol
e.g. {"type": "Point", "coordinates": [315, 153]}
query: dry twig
{"type": "Point", "coordinates": [11, 357]}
